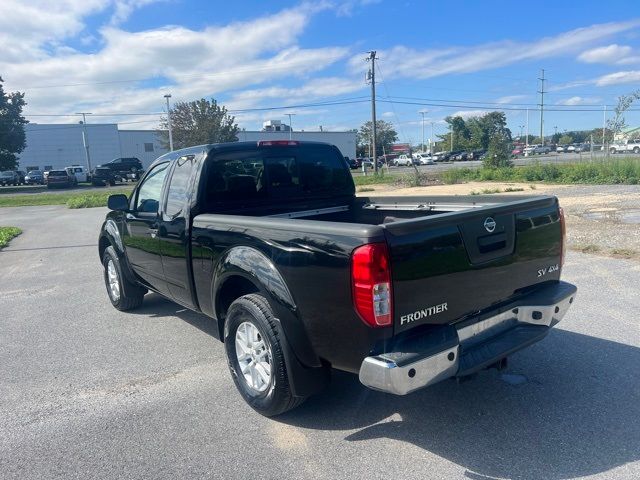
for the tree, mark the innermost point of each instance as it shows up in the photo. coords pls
(565, 139)
(386, 135)
(618, 122)
(199, 122)
(499, 146)
(12, 136)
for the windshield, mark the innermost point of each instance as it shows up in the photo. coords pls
(7, 173)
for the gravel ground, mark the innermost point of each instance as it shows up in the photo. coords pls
(90, 392)
(601, 219)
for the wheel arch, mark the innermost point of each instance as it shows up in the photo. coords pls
(243, 270)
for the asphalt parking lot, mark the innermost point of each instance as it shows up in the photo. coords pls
(90, 392)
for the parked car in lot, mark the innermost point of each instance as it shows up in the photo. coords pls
(81, 173)
(102, 176)
(417, 295)
(541, 150)
(352, 162)
(21, 175)
(561, 148)
(475, 154)
(403, 161)
(124, 166)
(34, 177)
(9, 177)
(583, 147)
(571, 148)
(61, 179)
(632, 146)
(424, 159)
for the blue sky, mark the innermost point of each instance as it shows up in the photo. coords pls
(117, 58)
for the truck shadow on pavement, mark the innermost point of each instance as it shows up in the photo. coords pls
(574, 412)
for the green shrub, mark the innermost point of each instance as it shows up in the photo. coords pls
(7, 233)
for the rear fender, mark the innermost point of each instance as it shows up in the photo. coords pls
(306, 372)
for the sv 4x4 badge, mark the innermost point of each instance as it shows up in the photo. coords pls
(550, 269)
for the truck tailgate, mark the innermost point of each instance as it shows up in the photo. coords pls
(449, 266)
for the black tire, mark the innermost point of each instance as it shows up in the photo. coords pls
(636, 150)
(277, 397)
(612, 150)
(130, 294)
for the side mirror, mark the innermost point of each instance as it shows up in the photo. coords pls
(118, 202)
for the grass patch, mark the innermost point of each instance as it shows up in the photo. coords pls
(624, 170)
(623, 252)
(590, 248)
(513, 189)
(374, 179)
(71, 199)
(366, 189)
(6, 234)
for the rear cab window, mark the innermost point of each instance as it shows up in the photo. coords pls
(300, 171)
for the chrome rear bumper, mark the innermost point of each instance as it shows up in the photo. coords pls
(475, 345)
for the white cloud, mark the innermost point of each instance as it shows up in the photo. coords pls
(617, 78)
(610, 54)
(188, 63)
(388, 114)
(580, 101)
(470, 113)
(124, 8)
(401, 61)
(511, 98)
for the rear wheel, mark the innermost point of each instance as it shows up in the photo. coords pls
(255, 357)
(123, 294)
(636, 149)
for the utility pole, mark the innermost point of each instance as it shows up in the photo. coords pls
(521, 127)
(85, 138)
(422, 113)
(432, 143)
(168, 96)
(526, 141)
(604, 125)
(374, 133)
(290, 124)
(555, 131)
(541, 92)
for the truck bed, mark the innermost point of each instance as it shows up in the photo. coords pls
(445, 265)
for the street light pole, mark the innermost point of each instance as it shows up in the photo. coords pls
(168, 96)
(290, 125)
(432, 144)
(422, 113)
(85, 138)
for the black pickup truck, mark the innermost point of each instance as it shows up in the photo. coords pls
(302, 276)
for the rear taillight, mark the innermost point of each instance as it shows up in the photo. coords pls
(371, 284)
(563, 229)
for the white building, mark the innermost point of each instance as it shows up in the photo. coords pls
(53, 146)
(345, 141)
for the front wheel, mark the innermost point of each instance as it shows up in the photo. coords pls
(123, 294)
(613, 150)
(255, 356)
(636, 150)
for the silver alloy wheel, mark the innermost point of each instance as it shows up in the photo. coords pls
(114, 282)
(254, 357)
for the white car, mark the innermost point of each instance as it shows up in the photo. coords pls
(81, 173)
(424, 159)
(404, 160)
(529, 150)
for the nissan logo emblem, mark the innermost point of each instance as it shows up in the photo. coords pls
(490, 224)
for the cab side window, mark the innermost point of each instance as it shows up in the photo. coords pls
(179, 186)
(150, 191)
